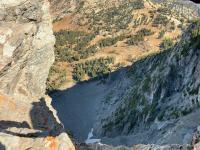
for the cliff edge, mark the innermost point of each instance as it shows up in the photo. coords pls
(27, 120)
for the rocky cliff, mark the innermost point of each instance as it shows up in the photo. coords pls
(160, 99)
(27, 120)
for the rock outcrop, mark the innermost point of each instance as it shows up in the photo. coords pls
(27, 120)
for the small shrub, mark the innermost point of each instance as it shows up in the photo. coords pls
(161, 116)
(196, 29)
(194, 91)
(134, 40)
(56, 78)
(186, 111)
(146, 84)
(163, 10)
(145, 32)
(185, 50)
(160, 20)
(167, 43)
(161, 34)
(139, 4)
(110, 41)
(93, 68)
(72, 45)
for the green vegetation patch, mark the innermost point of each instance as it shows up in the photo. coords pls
(134, 40)
(161, 34)
(146, 84)
(186, 47)
(56, 78)
(110, 41)
(139, 37)
(73, 45)
(93, 68)
(196, 29)
(193, 91)
(164, 10)
(160, 20)
(167, 43)
(114, 18)
(145, 32)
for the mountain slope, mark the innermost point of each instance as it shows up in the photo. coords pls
(154, 101)
(114, 35)
(142, 72)
(162, 98)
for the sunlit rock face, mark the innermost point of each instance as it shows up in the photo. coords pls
(27, 120)
(26, 47)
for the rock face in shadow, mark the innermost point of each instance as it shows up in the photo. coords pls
(161, 103)
(2, 147)
(27, 120)
(155, 102)
(160, 108)
(79, 104)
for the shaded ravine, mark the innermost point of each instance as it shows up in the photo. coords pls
(77, 107)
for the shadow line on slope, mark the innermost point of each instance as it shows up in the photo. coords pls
(77, 107)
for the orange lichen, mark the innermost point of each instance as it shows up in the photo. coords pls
(70, 148)
(52, 143)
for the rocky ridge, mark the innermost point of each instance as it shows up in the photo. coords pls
(27, 120)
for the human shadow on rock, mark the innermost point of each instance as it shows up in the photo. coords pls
(42, 119)
(6, 125)
(2, 147)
